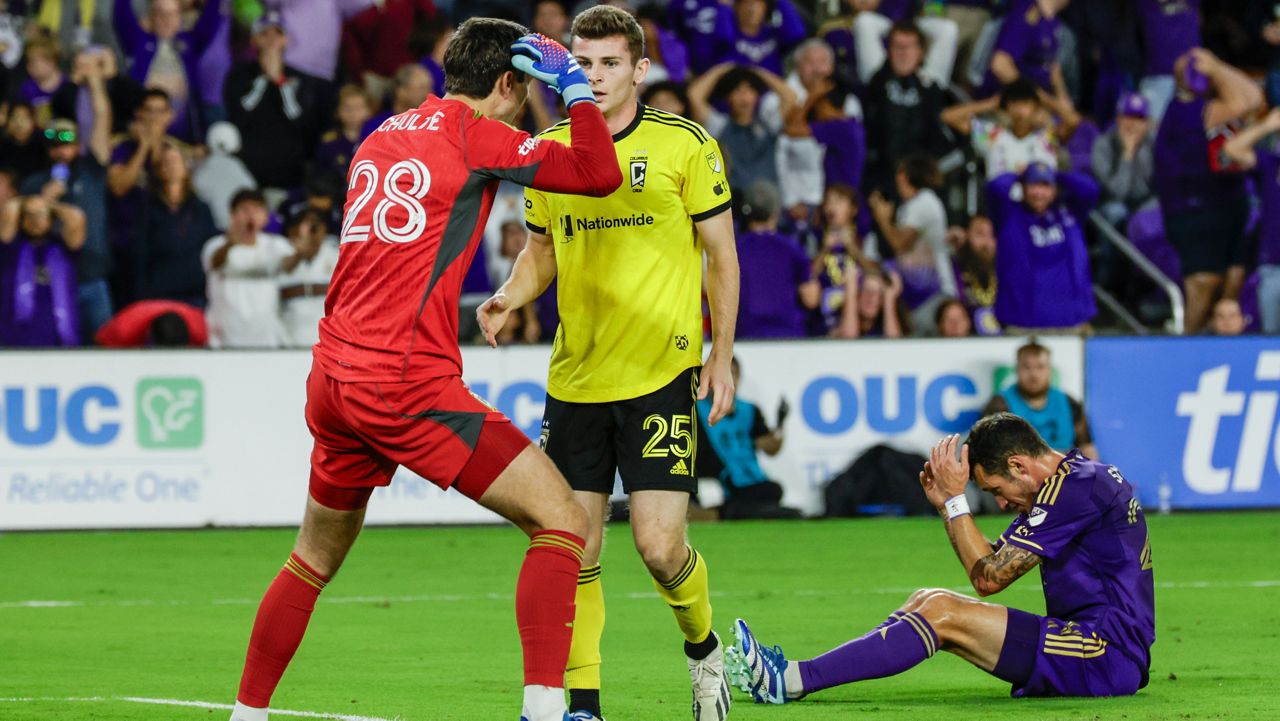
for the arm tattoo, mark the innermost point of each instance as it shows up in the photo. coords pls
(1005, 565)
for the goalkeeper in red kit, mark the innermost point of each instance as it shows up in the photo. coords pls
(385, 388)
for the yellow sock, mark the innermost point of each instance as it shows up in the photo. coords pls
(689, 596)
(583, 671)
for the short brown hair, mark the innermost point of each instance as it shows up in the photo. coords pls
(44, 47)
(1032, 347)
(604, 21)
(478, 55)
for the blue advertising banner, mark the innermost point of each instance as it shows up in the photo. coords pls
(1190, 421)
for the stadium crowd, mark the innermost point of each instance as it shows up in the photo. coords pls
(899, 167)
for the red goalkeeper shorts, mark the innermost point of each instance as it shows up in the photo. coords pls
(436, 428)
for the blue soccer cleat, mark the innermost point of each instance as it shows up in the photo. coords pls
(584, 716)
(755, 669)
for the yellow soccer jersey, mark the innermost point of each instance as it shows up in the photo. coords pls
(629, 266)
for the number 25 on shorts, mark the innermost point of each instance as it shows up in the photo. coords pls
(679, 429)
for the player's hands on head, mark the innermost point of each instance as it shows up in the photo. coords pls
(537, 55)
(948, 468)
(717, 378)
(492, 316)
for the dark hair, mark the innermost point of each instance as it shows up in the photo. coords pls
(680, 90)
(1019, 91)
(921, 170)
(168, 330)
(1032, 347)
(308, 215)
(943, 307)
(736, 76)
(846, 191)
(604, 21)
(1000, 436)
(155, 93)
(478, 55)
(906, 27)
(248, 195)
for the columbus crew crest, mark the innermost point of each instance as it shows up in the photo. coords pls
(639, 169)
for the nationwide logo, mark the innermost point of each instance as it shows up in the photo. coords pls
(603, 223)
(170, 413)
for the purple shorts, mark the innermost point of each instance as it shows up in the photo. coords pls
(1048, 657)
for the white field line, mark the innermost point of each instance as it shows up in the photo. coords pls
(460, 598)
(189, 704)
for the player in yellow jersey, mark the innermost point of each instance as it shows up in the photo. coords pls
(627, 363)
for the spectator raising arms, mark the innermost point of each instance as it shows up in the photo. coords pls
(1258, 147)
(1203, 196)
(1030, 126)
(242, 265)
(748, 143)
(1027, 46)
(1042, 265)
(276, 109)
(163, 55)
(902, 110)
(37, 277)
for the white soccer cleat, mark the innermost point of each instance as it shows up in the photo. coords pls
(711, 697)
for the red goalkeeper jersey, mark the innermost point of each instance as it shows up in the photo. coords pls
(420, 190)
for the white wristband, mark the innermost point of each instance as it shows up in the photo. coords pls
(957, 506)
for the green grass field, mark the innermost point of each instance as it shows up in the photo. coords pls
(419, 626)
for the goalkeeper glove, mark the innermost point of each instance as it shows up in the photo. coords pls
(547, 60)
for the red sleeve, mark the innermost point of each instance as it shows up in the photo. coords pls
(127, 328)
(587, 167)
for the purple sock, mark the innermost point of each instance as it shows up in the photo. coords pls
(898, 646)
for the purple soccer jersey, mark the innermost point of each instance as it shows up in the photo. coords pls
(1269, 192)
(1169, 29)
(1091, 533)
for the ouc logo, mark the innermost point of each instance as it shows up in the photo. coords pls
(169, 414)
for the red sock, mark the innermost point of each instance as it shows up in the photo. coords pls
(277, 631)
(544, 605)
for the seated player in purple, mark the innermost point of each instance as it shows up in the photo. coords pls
(1079, 521)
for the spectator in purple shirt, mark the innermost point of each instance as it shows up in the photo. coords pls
(315, 32)
(1258, 147)
(820, 146)
(338, 146)
(668, 57)
(1042, 266)
(37, 273)
(165, 56)
(1203, 197)
(773, 270)
(702, 25)
(44, 78)
(1027, 46)
(763, 32)
(1169, 29)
